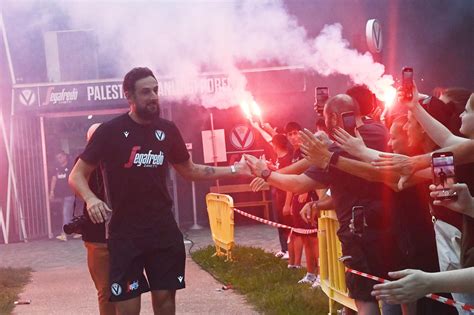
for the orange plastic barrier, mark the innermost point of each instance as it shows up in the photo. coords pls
(221, 219)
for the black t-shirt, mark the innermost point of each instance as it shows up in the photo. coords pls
(348, 190)
(279, 196)
(62, 188)
(135, 158)
(414, 229)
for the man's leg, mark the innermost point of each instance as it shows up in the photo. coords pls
(311, 251)
(98, 263)
(367, 307)
(164, 301)
(298, 248)
(128, 307)
(126, 279)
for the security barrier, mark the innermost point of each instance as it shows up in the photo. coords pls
(221, 219)
(331, 269)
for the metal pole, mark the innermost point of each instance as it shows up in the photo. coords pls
(7, 49)
(214, 150)
(12, 176)
(45, 177)
(195, 225)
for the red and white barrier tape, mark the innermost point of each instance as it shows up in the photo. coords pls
(435, 297)
(278, 225)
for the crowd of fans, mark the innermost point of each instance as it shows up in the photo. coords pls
(395, 221)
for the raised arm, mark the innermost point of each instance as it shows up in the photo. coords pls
(293, 183)
(192, 171)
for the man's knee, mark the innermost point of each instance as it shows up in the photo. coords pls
(163, 298)
(128, 307)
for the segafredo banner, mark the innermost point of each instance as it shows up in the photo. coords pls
(95, 94)
(83, 95)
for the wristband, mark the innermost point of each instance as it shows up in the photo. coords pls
(233, 170)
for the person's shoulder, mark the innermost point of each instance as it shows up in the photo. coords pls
(165, 123)
(375, 135)
(373, 127)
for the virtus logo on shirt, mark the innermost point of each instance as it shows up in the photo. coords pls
(148, 159)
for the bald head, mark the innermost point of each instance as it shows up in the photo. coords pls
(341, 103)
(337, 105)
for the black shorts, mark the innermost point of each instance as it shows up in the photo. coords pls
(164, 268)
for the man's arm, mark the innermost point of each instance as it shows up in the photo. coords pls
(414, 284)
(296, 168)
(78, 180)
(191, 171)
(435, 130)
(53, 187)
(297, 184)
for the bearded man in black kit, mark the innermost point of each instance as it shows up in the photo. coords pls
(135, 150)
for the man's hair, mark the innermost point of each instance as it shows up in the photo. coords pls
(291, 126)
(401, 119)
(342, 103)
(133, 76)
(281, 141)
(363, 97)
(457, 96)
(444, 113)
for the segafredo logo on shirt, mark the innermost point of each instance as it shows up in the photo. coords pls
(149, 159)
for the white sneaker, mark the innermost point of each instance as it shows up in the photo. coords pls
(286, 256)
(294, 267)
(62, 237)
(309, 278)
(317, 283)
(75, 235)
(279, 254)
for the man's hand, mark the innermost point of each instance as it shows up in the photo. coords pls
(97, 209)
(258, 184)
(412, 285)
(242, 168)
(310, 212)
(256, 165)
(464, 202)
(286, 210)
(398, 163)
(410, 104)
(302, 197)
(314, 150)
(352, 145)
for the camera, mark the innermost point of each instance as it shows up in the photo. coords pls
(76, 225)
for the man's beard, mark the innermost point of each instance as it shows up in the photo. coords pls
(146, 114)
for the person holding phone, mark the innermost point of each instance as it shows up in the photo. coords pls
(347, 191)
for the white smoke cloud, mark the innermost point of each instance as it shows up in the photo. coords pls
(182, 39)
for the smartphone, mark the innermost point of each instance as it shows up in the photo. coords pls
(442, 165)
(348, 122)
(407, 83)
(321, 95)
(358, 219)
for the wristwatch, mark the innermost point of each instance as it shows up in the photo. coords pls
(265, 174)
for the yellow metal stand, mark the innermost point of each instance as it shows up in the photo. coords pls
(221, 219)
